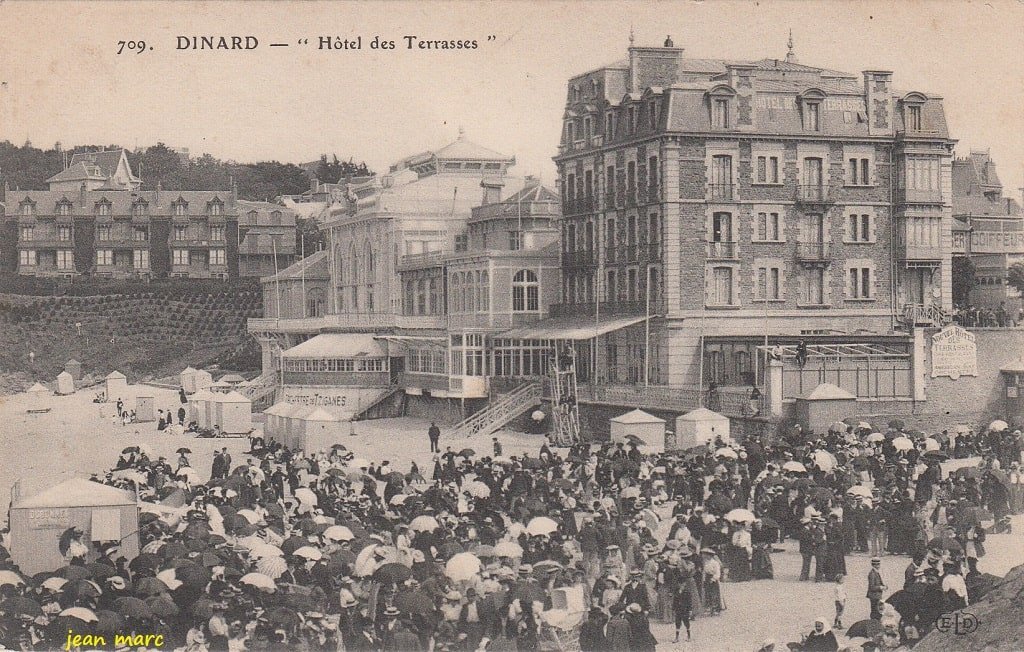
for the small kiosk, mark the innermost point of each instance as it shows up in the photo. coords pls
(320, 429)
(73, 367)
(116, 386)
(823, 406)
(187, 378)
(65, 383)
(198, 408)
(233, 413)
(649, 429)
(202, 379)
(700, 427)
(274, 427)
(102, 513)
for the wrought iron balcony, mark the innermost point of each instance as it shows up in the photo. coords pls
(814, 194)
(722, 250)
(721, 191)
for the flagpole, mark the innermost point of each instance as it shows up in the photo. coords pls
(647, 331)
(302, 269)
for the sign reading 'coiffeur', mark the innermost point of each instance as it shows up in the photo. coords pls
(997, 242)
(954, 353)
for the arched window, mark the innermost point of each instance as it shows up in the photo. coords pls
(369, 261)
(485, 292)
(456, 293)
(525, 292)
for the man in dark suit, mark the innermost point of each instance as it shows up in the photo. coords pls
(876, 587)
(635, 592)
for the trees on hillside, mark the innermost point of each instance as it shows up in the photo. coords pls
(963, 279)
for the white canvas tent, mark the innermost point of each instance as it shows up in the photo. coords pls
(198, 409)
(65, 383)
(699, 427)
(649, 429)
(274, 428)
(37, 391)
(320, 429)
(187, 378)
(116, 386)
(233, 413)
(221, 387)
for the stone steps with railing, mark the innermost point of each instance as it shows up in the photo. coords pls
(500, 411)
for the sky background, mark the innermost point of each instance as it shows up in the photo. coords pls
(61, 79)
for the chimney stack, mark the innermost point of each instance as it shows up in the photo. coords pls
(492, 191)
(81, 195)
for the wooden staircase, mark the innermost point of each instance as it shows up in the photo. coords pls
(500, 411)
(261, 391)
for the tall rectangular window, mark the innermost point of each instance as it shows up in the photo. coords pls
(179, 256)
(140, 234)
(217, 233)
(140, 259)
(814, 286)
(859, 283)
(26, 233)
(720, 114)
(65, 259)
(767, 169)
(64, 233)
(812, 114)
(180, 232)
(721, 286)
(914, 117)
(103, 233)
(27, 258)
(218, 257)
(104, 257)
(769, 227)
(769, 282)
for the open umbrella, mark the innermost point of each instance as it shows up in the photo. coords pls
(945, 543)
(147, 586)
(631, 492)
(794, 467)
(132, 607)
(969, 472)
(10, 577)
(189, 474)
(1001, 477)
(272, 567)
(509, 549)
(183, 451)
(338, 533)
(741, 516)
(998, 425)
(424, 523)
(902, 443)
(824, 460)
(392, 573)
(306, 496)
(477, 489)
(259, 581)
(859, 490)
(168, 578)
(162, 606)
(931, 444)
(309, 552)
(462, 566)
(80, 613)
(129, 449)
(467, 452)
(54, 584)
(867, 628)
(541, 525)
(875, 436)
(726, 452)
(936, 456)
(414, 603)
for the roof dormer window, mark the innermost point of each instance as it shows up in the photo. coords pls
(912, 111)
(140, 208)
(914, 117)
(810, 108)
(64, 207)
(720, 102)
(28, 207)
(180, 207)
(216, 207)
(103, 207)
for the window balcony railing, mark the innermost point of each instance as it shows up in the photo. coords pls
(721, 191)
(812, 252)
(722, 250)
(814, 194)
(609, 199)
(637, 307)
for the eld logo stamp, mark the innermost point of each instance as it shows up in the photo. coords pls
(960, 623)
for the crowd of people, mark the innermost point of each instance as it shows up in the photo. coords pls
(567, 548)
(999, 317)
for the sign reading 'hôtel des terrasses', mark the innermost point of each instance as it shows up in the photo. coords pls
(954, 353)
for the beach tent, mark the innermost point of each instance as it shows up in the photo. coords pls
(320, 429)
(187, 378)
(198, 410)
(103, 513)
(232, 379)
(145, 407)
(274, 427)
(65, 383)
(116, 386)
(73, 367)
(233, 413)
(294, 426)
(202, 380)
(37, 391)
(699, 427)
(649, 429)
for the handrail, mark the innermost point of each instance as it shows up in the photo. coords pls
(497, 414)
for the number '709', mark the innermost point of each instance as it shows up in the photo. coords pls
(137, 46)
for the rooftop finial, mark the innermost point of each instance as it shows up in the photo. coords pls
(790, 55)
(632, 37)
(668, 42)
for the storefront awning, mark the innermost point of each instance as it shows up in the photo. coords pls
(416, 340)
(570, 328)
(337, 345)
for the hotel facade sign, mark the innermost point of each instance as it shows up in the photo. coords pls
(954, 353)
